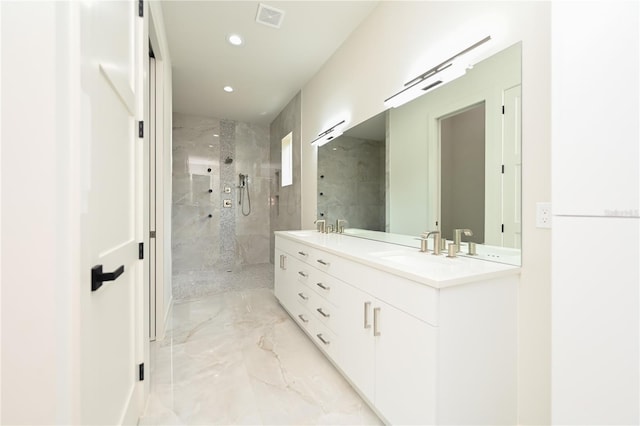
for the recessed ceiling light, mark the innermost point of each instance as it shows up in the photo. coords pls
(215, 135)
(235, 39)
(228, 89)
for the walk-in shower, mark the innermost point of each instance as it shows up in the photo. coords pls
(243, 186)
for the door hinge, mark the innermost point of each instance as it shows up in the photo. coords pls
(140, 8)
(502, 227)
(152, 234)
(140, 250)
(140, 129)
(502, 109)
(141, 372)
(503, 169)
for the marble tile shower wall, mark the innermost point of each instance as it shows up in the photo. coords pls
(208, 239)
(351, 182)
(286, 204)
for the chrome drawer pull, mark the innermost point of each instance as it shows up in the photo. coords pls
(302, 296)
(283, 260)
(322, 286)
(302, 274)
(367, 305)
(323, 313)
(326, 342)
(376, 321)
(304, 320)
(322, 262)
(301, 253)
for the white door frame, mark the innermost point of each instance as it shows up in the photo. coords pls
(162, 102)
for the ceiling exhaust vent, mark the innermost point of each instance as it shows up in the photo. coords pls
(269, 16)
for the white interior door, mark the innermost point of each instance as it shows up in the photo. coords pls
(111, 313)
(512, 160)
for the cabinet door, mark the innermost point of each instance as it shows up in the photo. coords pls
(282, 285)
(355, 324)
(405, 366)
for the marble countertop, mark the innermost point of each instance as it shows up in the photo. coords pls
(425, 268)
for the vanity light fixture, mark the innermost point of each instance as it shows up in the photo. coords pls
(328, 135)
(437, 76)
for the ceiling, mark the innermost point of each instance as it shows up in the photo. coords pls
(270, 67)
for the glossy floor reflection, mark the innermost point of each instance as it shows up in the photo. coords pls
(236, 357)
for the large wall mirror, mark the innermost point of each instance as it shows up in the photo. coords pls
(447, 160)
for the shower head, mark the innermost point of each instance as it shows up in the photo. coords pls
(228, 160)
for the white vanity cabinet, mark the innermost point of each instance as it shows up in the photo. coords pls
(405, 371)
(417, 353)
(389, 356)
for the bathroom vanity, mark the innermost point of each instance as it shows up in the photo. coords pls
(424, 339)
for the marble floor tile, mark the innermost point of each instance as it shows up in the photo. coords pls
(234, 356)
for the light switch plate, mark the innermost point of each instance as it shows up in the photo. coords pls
(226, 203)
(543, 215)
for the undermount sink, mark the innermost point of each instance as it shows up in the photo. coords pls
(410, 257)
(304, 233)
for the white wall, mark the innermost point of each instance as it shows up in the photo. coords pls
(400, 40)
(596, 218)
(40, 238)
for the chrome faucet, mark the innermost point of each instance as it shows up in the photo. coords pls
(436, 241)
(457, 236)
(320, 225)
(340, 224)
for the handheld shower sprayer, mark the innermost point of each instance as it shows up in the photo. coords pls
(243, 185)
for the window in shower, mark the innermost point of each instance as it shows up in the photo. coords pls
(287, 160)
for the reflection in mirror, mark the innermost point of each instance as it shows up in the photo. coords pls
(351, 177)
(462, 147)
(450, 159)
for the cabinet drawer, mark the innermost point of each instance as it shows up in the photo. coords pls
(325, 313)
(296, 250)
(302, 317)
(326, 340)
(304, 296)
(414, 298)
(327, 287)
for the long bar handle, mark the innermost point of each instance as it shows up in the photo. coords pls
(302, 296)
(283, 261)
(326, 342)
(376, 321)
(302, 274)
(322, 262)
(301, 253)
(322, 286)
(367, 305)
(323, 313)
(304, 320)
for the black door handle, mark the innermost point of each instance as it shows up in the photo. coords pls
(98, 277)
